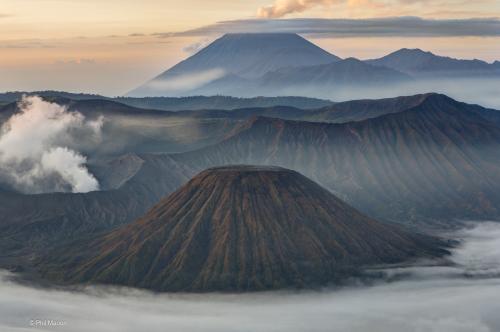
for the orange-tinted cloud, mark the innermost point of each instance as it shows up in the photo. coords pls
(283, 7)
(381, 8)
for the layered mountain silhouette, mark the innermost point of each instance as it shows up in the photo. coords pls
(234, 57)
(270, 64)
(415, 159)
(421, 63)
(239, 228)
(358, 110)
(340, 74)
(175, 103)
(434, 160)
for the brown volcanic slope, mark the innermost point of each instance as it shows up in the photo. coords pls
(239, 228)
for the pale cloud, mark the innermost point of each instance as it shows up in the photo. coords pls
(283, 7)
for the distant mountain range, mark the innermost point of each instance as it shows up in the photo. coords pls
(419, 63)
(433, 160)
(340, 74)
(239, 228)
(274, 64)
(177, 103)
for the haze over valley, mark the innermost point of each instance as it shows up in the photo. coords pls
(313, 166)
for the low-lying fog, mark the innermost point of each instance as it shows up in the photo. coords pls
(461, 298)
(482, 91)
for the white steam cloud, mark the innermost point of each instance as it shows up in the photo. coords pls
(38, 148)
(430, 299)
(283, 7)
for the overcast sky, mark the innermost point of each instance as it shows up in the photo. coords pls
(112, 46)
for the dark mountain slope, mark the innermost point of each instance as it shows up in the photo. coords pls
(329, 79)
(342, 112)
(31, 223)
(348, 72)
(253, 54)
(437, 160)
(239, 228)
(358, 110)
(348, 111)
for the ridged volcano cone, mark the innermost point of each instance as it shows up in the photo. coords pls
(240, 228)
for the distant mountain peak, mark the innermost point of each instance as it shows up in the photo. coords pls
(409, 55)
(442, 101)
(353, 60)
(429, 96)
(412, 51)
(272, 40)
(436, 96)
(244, 55)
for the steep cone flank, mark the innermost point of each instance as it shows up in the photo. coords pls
(239, 228)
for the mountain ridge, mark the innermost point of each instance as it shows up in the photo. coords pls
(342, 73)
(191, 103)
(419, 62)
(384, 165)
(271, 64)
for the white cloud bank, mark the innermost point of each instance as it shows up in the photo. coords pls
(445, 300)
(38, 148)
